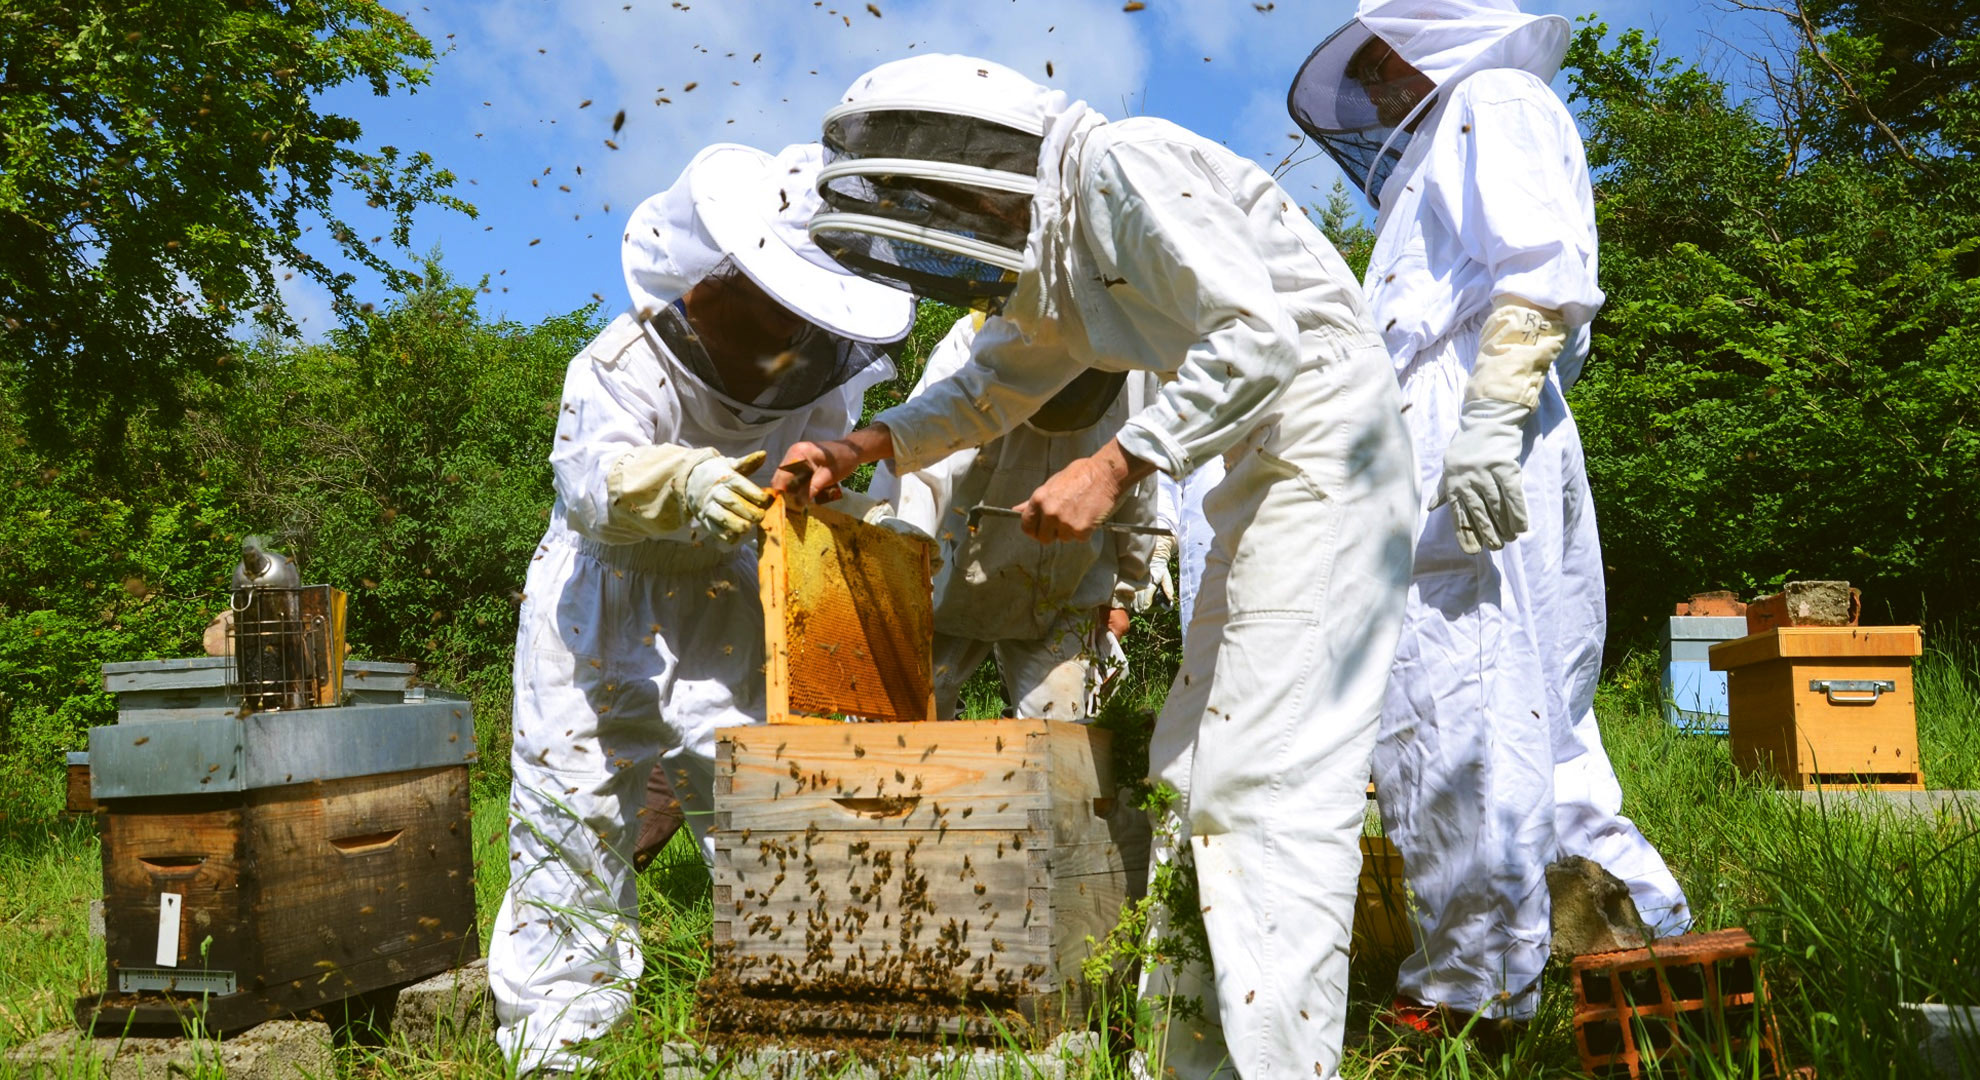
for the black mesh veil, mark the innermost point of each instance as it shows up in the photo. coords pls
(899, 192)
(912, 264)
(724, 347)
(936, 203)
(1082, 403)
(931, 136)
(1353, 116)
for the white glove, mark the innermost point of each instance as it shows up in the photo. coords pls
(1481, 475)
(723, 497)
(1158, 567)
(1481, 466)
(1517, 344)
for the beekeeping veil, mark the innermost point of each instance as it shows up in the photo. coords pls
(737, 217)
(931, 167)
(1343, 103)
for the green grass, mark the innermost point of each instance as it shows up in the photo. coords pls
(1855, 911)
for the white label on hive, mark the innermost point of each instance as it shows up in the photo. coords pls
(168, 928)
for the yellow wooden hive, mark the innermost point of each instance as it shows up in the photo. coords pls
(1827, 706)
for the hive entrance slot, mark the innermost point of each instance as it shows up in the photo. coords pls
(890, 806)
(171, 865)
(366, 843)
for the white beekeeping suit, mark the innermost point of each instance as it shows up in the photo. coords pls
(1139, 246)
(1483, 283)
(999, 591)
(641, 632)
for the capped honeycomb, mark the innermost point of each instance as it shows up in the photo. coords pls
(849, 621)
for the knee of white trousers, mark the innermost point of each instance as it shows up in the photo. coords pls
(1044, 685)
(693, 778)
(565, 950)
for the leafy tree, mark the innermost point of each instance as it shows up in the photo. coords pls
(407, 462)
(164, 162)
(1340, 220)
(1785, 381)
(404, 461)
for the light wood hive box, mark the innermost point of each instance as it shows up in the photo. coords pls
(1381, 903)
(895, 875)
(1824, 705)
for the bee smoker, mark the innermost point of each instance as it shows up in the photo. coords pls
(288, 637)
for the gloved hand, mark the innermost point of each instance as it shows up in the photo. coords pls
(1481, 474)
(723, 497)
(1159, 573)
(1516, 345)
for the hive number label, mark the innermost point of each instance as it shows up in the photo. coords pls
(168, 928)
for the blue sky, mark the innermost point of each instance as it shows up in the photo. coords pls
(505, 104)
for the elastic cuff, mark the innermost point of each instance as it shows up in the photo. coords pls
(1155, 446)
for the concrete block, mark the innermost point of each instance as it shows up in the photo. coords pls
(447, 1007)
(277, 1050)
(1951, 1042)
(1961, 806)
(1805, 603)
(1058, 1061)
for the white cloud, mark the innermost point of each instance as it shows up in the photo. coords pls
(763, 73)
(308, 303)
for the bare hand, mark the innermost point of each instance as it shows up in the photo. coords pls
(811, 471)
(1074, 502)
(1117, 622)
(1109, 620)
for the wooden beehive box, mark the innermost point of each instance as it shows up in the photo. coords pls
(954, 862)
(1381, 904)
(260, 865)
(1822, 705)
(287, 898)
(895, 876)
(75, 793)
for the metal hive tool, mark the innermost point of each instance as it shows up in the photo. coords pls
(849, 620)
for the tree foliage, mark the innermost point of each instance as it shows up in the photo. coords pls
(405, 461)
(164, 163)
(1786, 381)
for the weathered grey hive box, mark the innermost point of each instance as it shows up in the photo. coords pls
(874, 877)
(262, 864)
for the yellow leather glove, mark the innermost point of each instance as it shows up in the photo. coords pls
(723, 497)
(658, 490)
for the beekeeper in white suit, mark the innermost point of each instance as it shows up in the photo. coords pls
(1052, 614)
(1483, 283)
(1139, 246)
(641, 632)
